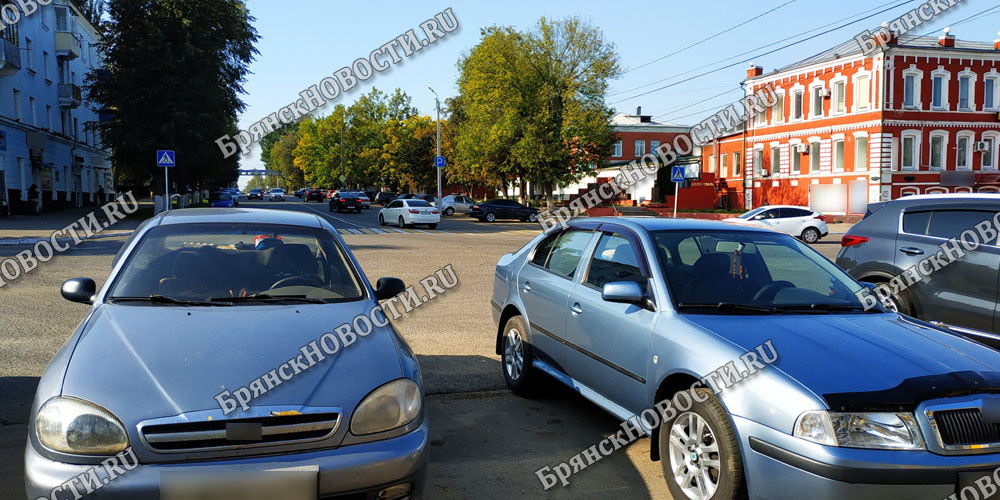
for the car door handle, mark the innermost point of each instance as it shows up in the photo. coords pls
(526, 287)
(576, 308)
(911, 251)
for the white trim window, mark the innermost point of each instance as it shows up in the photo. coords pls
(640, 147)
(761, 119)
(798, 103)
(838, 154)
(816, 101)
(839, 104)
(653, 144)
(775, 159)
(778, 110)
(963, 150)
(723, 166)
(909, 151)
(814, 156)
(862, 99)
(990, 89)
(938, 149)
(988, 159)
(711, 163)
(911, 88)
(794, 157)
(758, 160)
(736, 164)
(861, 153)
(967, 91)
(616, 151)
(939, 90)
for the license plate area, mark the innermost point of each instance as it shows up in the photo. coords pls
(969, 479)
(299, 483)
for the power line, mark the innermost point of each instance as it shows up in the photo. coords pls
(759, 55)
(731, 28)
(767, 45)
(716, 96)
(967, 19)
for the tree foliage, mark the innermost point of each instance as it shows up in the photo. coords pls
(174, 74)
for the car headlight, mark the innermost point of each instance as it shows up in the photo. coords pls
(873, 430)
(75, 426)
(390, 406)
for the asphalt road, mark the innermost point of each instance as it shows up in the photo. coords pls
(486, 443)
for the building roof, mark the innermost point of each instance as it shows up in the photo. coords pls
(644, 123)
(851, 47)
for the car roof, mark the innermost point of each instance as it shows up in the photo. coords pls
(951, 196)
(240, 215)
(667, 223)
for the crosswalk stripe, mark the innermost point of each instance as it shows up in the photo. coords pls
(422, 231)
(355, 231)
(376, 230)
(395, 230)
(342, 231)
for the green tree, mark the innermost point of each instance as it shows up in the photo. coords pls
(256, 182)
(282, 159)
(174, 74)
(317, 152)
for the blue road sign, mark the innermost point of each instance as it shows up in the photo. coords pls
(677, 174)
(439, 161)
(165, 158)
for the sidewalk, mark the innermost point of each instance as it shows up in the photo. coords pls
(29, 229)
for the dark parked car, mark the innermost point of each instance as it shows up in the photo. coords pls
(345, 200)
(384, 198)
(901, 233)
(492, 210)
(300, 193)
(313, 194)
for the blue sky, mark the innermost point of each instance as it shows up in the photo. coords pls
(303, 41)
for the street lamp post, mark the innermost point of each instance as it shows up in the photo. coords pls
(437, 106)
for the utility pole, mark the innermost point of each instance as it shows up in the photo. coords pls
(342, 148)
(437, 106)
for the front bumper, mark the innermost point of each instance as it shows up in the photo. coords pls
(777, 463)
(356, 469)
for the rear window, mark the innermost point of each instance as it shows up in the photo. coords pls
(950, 223)
(418, 203)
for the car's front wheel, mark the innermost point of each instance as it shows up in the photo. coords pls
(700, 454)
(449, 211)
(810, 235)
(381, 220)
(517, 357)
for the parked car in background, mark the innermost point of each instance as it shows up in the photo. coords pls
(901, 233)
(255, 194)
(853, 403)
(276, 194)
(492, 210)
(383, 198)
(220, 199)
(366, 202)
(408, 212)
(345, 200)
(801, 222)
(312, 194)
(429, 198)
(183, 274)
(456, 203)
(300, 193)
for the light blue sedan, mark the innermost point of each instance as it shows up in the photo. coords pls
(858, 404)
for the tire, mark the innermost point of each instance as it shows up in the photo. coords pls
(401, 222)
(357, 211)
(516, 358)
(490, 217)
(716, 453)
(901, 302)
(449, 211)
(432, 226)
(810, 235)
(532, 217)
(381, 220)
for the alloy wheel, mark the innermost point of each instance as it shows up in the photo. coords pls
(491, 217)
(513, 354)
(694, 456)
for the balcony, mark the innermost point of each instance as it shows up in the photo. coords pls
(67, 45)
(70, 95)
(10, 57)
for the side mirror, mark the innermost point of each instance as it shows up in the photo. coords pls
(80, 290)
(623, 291)
(387, 288)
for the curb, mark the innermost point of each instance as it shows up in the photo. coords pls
(10, 242)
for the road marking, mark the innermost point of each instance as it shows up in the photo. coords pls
(331, 216)
(355, 231)
(423, 231)
(376, 230)
(395, 230)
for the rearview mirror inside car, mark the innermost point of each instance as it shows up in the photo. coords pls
(622, 291)
(387, 288)
(80, 290)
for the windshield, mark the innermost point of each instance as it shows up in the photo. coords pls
(276, 190)
(752, 213)
(206, 262)
(759, 269)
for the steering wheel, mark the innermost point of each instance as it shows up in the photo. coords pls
(768, 293)
(298, 280)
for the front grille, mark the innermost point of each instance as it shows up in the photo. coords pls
(965, 426)
(211, 434)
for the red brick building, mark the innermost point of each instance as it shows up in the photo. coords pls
(847, 129)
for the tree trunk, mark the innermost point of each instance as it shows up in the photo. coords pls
(550, 203)
(522, 191)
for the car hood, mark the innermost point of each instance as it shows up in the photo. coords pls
(839, 354)
(152, 361)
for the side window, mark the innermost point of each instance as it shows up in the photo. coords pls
(950, 223)
(794, 212)
(615, 259)
(542, 250)
(567, 252)
(769, 214)
(688, 251)
(916, 222)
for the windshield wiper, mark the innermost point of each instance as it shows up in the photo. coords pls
(725, 307)
(161, 299)
(823, 308)
(270, 299)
